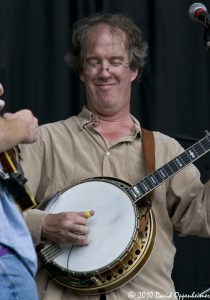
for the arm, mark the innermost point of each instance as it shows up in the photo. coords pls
(188, 201)
(65, 227)
(37, 161)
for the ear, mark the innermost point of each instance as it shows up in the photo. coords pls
(81, 76)
(134, 74)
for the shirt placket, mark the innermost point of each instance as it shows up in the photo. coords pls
(106, 166)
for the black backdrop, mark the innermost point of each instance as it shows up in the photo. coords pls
(173, 95)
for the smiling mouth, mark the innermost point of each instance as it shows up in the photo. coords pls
(105, 87)
(105, 83)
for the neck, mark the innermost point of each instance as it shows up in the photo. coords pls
(108, 117)
(121, 119)
(114, 127)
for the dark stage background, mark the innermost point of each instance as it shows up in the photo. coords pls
(173, 95)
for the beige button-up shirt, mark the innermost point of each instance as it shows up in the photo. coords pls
(71, 150)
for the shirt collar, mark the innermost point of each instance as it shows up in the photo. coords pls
(87, 117)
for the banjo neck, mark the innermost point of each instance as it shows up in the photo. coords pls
(162, 174)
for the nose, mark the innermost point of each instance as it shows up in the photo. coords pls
(105, 71)
(106, 68)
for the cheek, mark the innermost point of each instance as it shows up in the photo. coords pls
(128, 78)
(126, 81)
(86, 79)
(90, 88)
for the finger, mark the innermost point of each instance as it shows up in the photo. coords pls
(1, 89)
(76, 239)
(8, 115)
(88, 214)
(79, 229)
(2, 103)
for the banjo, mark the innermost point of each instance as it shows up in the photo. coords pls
(122, 230)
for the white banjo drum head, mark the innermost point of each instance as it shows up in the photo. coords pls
(111, 229)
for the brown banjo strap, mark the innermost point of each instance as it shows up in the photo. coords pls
(148, 144)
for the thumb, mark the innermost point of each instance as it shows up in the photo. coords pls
(1, 89)
(2, 103)
(8, 115)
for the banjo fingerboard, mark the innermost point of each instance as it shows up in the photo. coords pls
(153, 180)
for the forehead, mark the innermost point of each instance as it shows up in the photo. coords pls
(103, 36)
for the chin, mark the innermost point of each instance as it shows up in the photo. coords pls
(108, 110)
(107, 102)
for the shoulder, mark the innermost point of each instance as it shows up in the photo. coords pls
(59, 131)
(50, 135)
(59, 126)
(166, 145)
(164, 138)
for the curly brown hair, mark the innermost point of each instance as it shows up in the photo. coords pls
(117, 23)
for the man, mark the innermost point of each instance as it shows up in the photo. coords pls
(18, 261)
(108, 54)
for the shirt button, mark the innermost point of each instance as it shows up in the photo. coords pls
(108, 153)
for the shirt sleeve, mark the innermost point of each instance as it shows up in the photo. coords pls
(31, 161)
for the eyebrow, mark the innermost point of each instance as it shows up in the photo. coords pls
(112, 57)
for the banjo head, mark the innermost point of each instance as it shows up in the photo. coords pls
(117, 245)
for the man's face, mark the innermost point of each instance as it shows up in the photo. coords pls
(106, 74)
